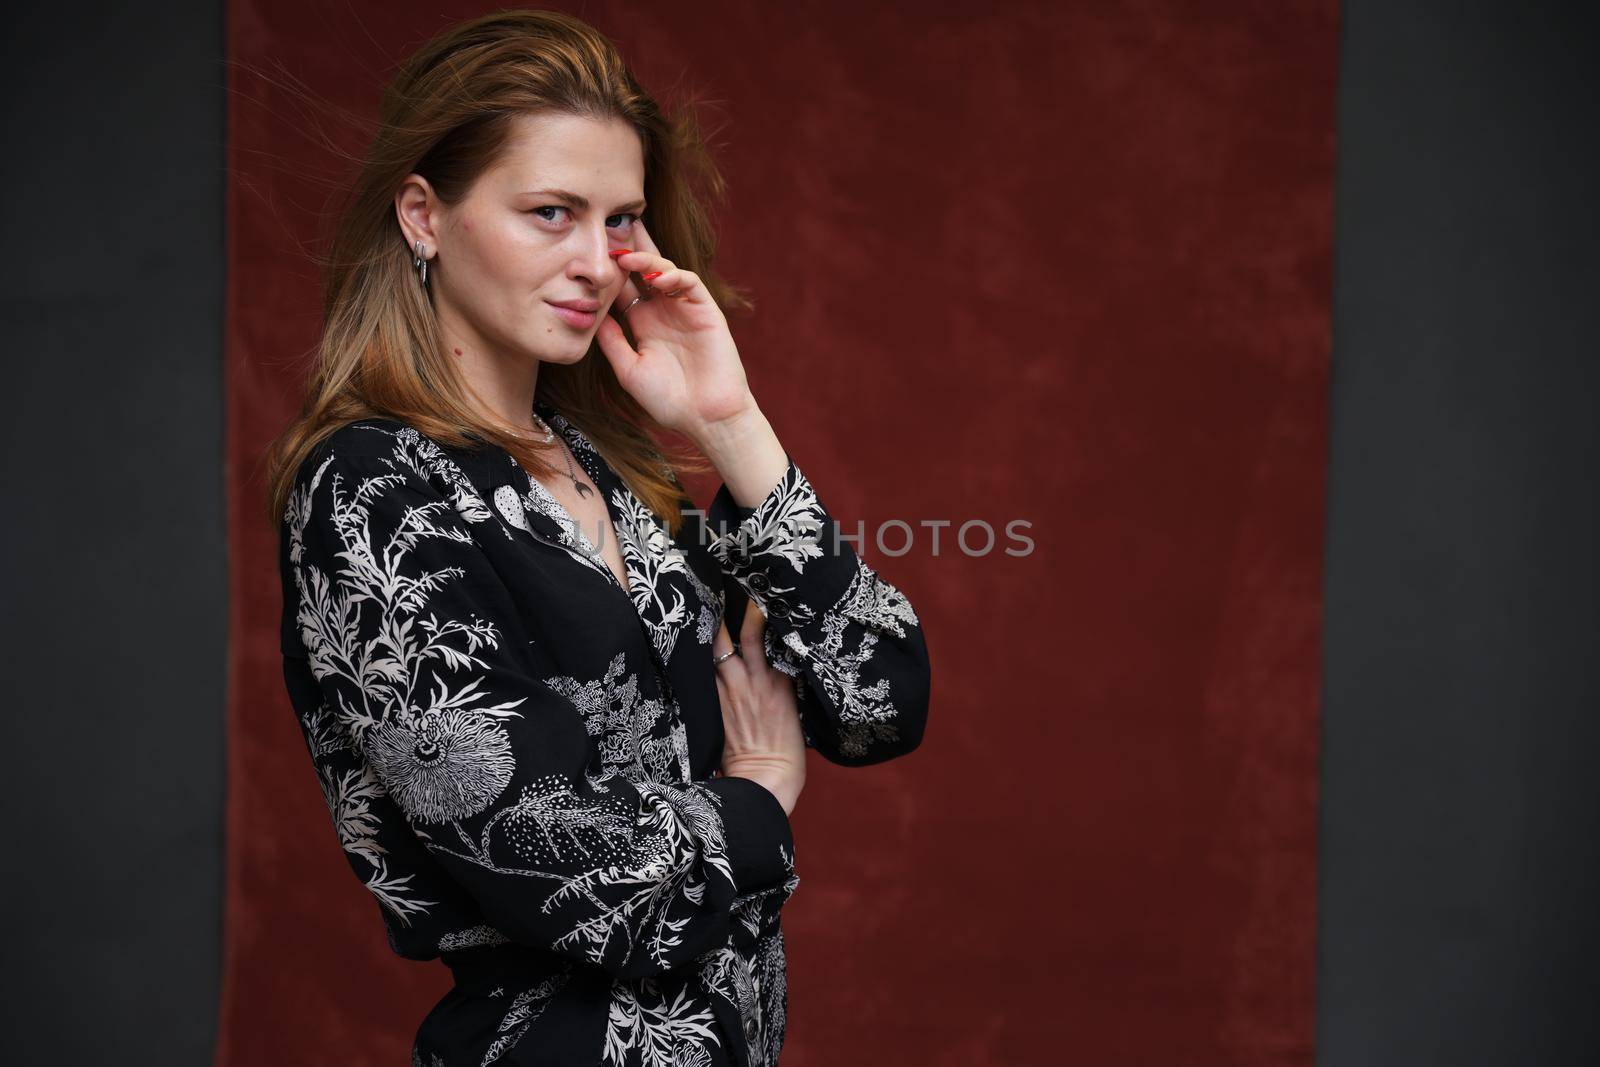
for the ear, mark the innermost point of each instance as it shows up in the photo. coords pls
(418, 209)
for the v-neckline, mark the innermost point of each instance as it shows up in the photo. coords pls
(582, 449)
(650, 558)
(559, 511)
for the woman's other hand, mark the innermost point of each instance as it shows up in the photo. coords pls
(762, 739)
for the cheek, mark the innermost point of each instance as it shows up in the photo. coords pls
(502, 248)
(498, 246)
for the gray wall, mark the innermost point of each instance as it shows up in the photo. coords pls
(1460, 823)
(115, 617)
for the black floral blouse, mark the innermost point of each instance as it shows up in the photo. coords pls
(520, 755)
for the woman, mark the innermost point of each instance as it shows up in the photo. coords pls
(507, 641)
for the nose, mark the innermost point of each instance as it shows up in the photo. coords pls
(590, 261)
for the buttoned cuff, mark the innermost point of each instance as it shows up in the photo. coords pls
(786, 552)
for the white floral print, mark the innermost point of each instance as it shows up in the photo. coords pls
(500, 788)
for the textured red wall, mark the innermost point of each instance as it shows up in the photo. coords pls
(1062, 263)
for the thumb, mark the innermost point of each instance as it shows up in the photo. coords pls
(614, 343)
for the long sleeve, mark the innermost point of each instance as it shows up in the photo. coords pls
(426, 673)
(850, 639)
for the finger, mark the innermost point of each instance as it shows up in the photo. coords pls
(721, 645)
(750, 635)
(641, 261)
(728, 668)
(675, 282)
(641, 237)
(614, 343)
(648, 267)
(721, 641)
(655, 275)
(631, 288)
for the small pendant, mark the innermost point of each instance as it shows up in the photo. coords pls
(583, 490)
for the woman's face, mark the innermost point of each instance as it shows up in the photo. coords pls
(535, 231)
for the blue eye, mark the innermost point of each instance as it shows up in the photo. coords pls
(557, 207)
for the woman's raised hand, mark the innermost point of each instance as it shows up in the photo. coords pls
(683, 367)
(762, 739)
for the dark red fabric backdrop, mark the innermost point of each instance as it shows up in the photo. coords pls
(1062, 263)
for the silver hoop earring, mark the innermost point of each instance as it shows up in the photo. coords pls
(419, 264)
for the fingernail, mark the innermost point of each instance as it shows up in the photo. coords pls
(652, 274)
(619, 251)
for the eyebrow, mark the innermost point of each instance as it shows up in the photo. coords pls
(579, 202)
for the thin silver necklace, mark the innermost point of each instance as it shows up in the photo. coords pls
(549, 436)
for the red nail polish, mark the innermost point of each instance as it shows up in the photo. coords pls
(652, 274)
(619, 251)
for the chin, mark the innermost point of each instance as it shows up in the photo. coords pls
(569, 353)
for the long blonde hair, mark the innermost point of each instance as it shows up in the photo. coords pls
(446, 115)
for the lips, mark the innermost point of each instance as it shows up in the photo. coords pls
(579, 314)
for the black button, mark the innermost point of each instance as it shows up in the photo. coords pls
(778, 606)
(750, 1029)
(759, 582)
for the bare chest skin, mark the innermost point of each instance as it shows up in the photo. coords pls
(587, 512)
